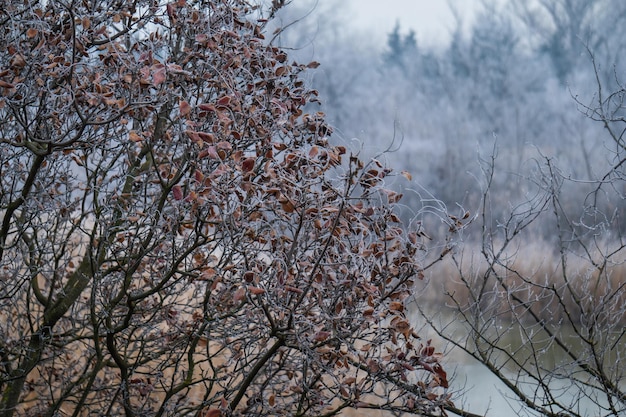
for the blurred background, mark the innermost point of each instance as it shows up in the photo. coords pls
(511, 110)
(446, 86)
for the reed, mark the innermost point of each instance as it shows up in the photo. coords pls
(582, 288)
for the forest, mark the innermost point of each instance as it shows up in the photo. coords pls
(234, 207)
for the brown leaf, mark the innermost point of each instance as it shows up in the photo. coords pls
(293, 289)
(207, 107)
(224, 145)
(428, 351)
(18, 61)
(184, 108)
(134, 136)
(207, 137)
(338, 307)
(322, 335)
(224, 101)
(256, 290)
(403, 327)
(392, 196)
(396, 306)
(248, 164)
(239, 295)
(177, 192)
(192, 196)
(373, 366)
(159, 76)
(207, 274)
(210, 152)
(443, 377)
(288, 207)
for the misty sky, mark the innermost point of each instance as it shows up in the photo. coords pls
(432, 20)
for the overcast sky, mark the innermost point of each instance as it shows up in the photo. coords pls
(432, 20)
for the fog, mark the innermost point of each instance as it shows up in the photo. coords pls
(517, 83)
(433, 22)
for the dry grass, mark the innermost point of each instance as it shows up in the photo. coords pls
(536, 277)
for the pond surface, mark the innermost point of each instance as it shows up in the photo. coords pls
(481, 392)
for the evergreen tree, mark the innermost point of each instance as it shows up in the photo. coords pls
(400, 48)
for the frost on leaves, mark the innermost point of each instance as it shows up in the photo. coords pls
(179, 235)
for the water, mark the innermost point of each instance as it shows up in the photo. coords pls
(481, 392)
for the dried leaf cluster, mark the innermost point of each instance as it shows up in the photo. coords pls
(179, 234)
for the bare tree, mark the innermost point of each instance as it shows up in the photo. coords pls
(178, 237)
(562, 28)
(549, 325)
